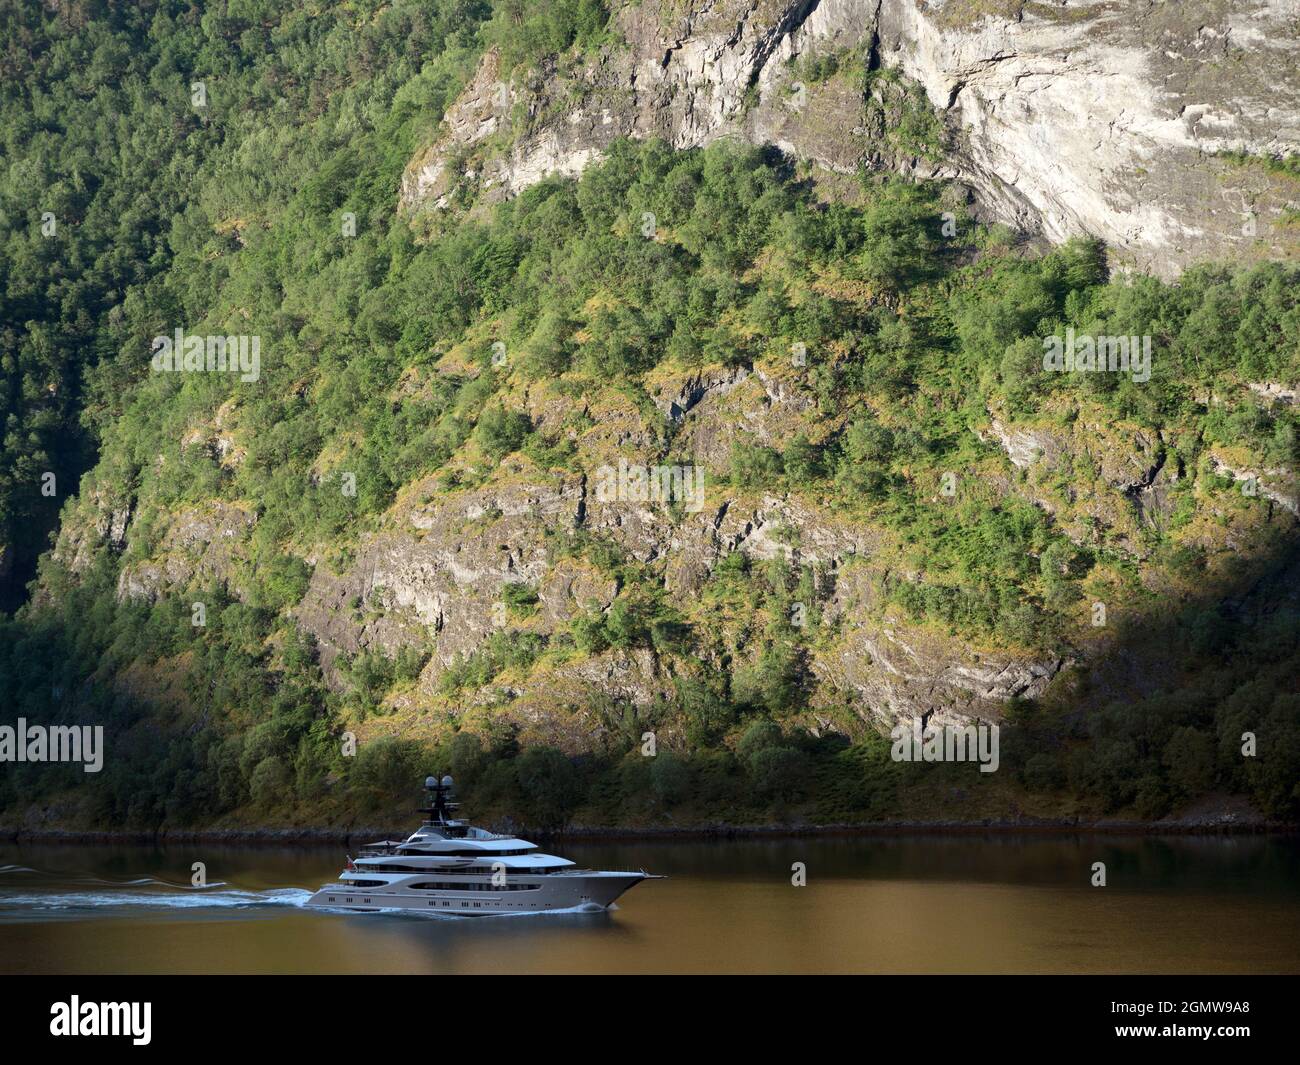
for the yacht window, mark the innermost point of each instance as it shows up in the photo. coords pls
(465, 852)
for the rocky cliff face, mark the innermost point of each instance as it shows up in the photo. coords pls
(435, 578)
(1075, 117)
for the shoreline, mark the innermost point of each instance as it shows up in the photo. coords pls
(324, 836)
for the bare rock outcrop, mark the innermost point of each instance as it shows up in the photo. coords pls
(201, 542)
(897, 671)
(1278, 485)
(1112, 118)
(434, 576)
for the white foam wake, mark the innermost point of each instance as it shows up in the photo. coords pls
(71, 902)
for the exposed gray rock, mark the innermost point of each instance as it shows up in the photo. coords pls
(1075, 117)
(1024, 447)
(699, 386)
(1275, 391)
(441, 587)
(434, 578)
(1277, 485)
(200, 542)
(1103, 118)
(899, 671)
(98, 518)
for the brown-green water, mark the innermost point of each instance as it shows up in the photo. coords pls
(986, 904)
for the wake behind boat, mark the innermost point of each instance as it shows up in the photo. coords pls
(449, 866)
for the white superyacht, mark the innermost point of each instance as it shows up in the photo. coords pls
(448, 866)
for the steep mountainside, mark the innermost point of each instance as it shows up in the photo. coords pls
(656, 405)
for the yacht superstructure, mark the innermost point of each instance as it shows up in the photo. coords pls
(449, 866)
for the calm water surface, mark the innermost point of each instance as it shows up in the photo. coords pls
(932, 904)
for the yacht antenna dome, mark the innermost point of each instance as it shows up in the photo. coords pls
(430, 782)
(447, 781)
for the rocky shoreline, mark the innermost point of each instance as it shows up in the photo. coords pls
(1222, 825)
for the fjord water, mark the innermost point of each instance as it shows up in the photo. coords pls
(964, 904)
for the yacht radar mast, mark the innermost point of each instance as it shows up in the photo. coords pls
(440, 805)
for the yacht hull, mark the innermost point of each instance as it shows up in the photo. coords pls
(592, 891)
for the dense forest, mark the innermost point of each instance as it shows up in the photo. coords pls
(269, 208)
